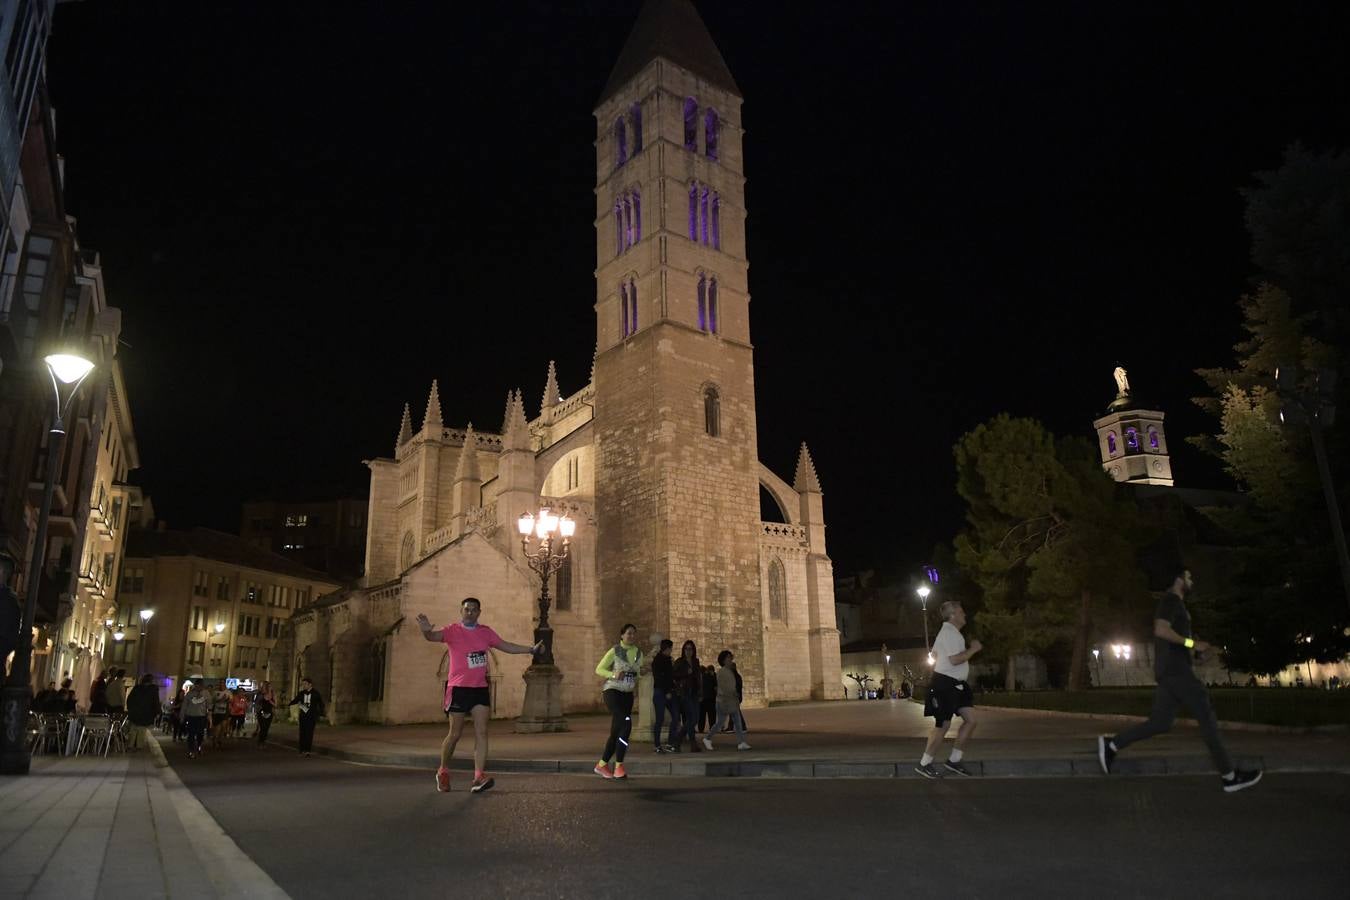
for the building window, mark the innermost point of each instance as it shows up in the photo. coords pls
(253, 594)
(407, 554)
(712, 306)
(693, 211)
(199, 618)
(690, 124)
(623, 309)
(195, 651)
(620, 142)
(133, 580)
(777, 590)
(1111, 443)
(562, 586)
(297, 520)
(246, 657)
(618, 228)
(274, 627)
(200, 584)
(217, 655)
(1153, 438)
(222, 587)
(710, 133)
(1131, 440)
(124, 651)
(248, 626)
(716, 222)
(378, 650)
(712, 412)
(636, 235)
(301, 598)
(703, 207)
(702, 303)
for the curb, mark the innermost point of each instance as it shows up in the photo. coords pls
(1257, 727)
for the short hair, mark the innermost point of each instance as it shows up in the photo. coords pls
(147, 678)
(473, 600)
(626, 627)
(723, 656)
(305, 679)
(667, 643)
(948, 609)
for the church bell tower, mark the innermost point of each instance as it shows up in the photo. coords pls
(1131, 439)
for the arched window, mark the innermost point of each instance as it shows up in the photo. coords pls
(636, 115)
(712, 306)
(690, 124)
(408, 552)
(562, 586)
(716, 222)
(710, 133)
(693, 211)
(702, 303)
(632, 307)
(712, 412)
(620, 143)
(703, 205)
(1111, 443)
(1131, 440)
(777, 590)
(618, 227)
(1153, 438)
(623, 309)
(627, 222)
(637, 216)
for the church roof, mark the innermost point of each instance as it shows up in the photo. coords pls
(672, 30)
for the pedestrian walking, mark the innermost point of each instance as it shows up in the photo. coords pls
(728, 702)
(949, 692)
(688, 677)
(619, 667)
(220, 717)
(176, 716)
(264, 704)
(238, 712)
(1173, 641)
(310, 702)
(740, 698)
(467, 643)
(98, 696)
(142, 708)
(196, 718)
(708, 705)
(663, 698)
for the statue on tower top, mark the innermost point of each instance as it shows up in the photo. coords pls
(1122, 381)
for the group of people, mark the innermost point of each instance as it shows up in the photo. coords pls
(222, 714)
(108, 696)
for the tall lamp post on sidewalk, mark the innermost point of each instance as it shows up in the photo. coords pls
(923, 591)
(68, 371)
(542, 710)
(146, 615)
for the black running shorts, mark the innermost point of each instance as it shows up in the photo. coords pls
(464, 699)
(946, 695)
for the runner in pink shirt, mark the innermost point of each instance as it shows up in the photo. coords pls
(466, 691)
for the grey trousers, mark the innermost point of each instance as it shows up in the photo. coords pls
(1176, 691)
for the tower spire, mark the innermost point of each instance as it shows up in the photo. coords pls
(551, 393)
(467, 467)
(805, 480)
(404, 428)
(516, 432)
(433, 414)
(672, 30)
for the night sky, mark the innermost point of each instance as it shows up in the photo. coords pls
(307, 211)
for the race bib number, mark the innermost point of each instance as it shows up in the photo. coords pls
(628, 677)
(478, 659)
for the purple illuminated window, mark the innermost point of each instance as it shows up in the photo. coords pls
(632, 306)
(710, 133)
(637, 216)
(623, 309)
(690, 124)
(620, 143)
(704, 208)
(702, 303)
(693, 211)
(636, 114)
(618, 228)
(1111, 442)
(1131, 440)
(1153, 438)
(716, 222)
(627, 222)
(712, 306)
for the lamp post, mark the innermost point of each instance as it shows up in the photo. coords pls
(146, 615)
(68, 371)
(542, 710)
(923, 591)
(1097, 664)
(886, 672)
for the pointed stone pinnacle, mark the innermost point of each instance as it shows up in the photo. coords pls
(433, 414)
(506, 416)
(516, 434)
(805, 479)
(467, 467)
(551, 393)
(404, 428)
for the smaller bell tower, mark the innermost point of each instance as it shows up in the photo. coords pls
(1131, 439)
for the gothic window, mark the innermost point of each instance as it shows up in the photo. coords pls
(703, 206)
(627, 222)
(690, 124)
(777, 590)
(618, 228)
(632, 307)
(620, 143)
(716, 222)
(1153, 438)
(693, 211)
(408, 553)
(1111, 443)
(702, 303)
(562, 586)
(712, 306)
(1131, 440)
(637, 216)
(636, 115)
(623, 309)
(710, 133)
(712, 412)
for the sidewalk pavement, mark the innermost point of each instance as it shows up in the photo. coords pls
(864, 739)
(116, 827)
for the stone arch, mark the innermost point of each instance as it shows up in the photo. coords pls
(549, 457)
(789, 502)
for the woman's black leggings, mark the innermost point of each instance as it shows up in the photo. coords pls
(620, 706)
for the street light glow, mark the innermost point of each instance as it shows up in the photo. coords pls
(220, 626)
(923, 591)
(68, 368)
(146, 614)
(525, 524)
(567, 526)
(119, 634)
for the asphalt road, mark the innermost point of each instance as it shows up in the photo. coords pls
(327, 829)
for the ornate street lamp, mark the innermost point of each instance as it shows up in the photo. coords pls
(68, 371)
(545, 563)
(146, 616)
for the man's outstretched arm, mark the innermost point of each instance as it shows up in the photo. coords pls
(431, 634)
(509, 647)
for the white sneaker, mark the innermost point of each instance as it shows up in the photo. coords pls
(742, 746)
(707, 744)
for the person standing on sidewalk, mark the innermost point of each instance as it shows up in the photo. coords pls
(310, 702)
(142, 707)
(949, 692)
(264, 704)
(466, 689)
(707, 713)
(728, 703)
(688, 678)
(619, 667)
(1178, 686)
(116, 692)
(196, 718)
(663, 698)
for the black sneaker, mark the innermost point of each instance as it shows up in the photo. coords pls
(928, 771)
(481, 784)
(1241, 781)
(957, 768)
(1105, 755)
(673, 748)
(658, 748)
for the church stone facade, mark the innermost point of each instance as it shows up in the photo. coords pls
(655, 457)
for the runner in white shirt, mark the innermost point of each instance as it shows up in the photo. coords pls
(949, 692)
